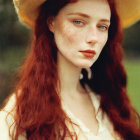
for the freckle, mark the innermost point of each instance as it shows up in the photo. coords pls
(68, 32)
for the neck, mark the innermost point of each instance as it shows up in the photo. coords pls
(69, 76)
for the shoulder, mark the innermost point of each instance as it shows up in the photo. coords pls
(4, 126)
(6, 118)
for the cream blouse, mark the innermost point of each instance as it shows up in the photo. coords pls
(105, 131)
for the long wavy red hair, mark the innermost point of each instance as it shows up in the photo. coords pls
(38, 106)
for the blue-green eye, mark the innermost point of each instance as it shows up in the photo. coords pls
(103, 27)
(78, 22)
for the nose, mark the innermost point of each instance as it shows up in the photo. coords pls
(92, 37)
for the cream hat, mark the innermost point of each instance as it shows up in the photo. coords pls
(129, 11)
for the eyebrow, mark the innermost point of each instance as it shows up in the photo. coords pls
(87, 16)
(80, 14)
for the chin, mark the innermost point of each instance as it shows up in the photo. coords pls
(85, 65)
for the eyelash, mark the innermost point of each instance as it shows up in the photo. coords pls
(79, 21)
(104, 26)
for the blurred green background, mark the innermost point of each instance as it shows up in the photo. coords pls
(15, 39)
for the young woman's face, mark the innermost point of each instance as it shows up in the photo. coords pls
(81, 31)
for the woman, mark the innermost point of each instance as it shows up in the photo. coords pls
(72, 84)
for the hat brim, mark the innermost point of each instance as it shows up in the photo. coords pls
(128, 10)
(27, 10)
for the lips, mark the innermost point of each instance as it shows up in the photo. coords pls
(88, 53)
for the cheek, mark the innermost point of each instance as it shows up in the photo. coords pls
(71, 34)
(104, 40)
(68, 32)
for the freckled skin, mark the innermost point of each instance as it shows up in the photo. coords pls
(66, 32)
(71, 38)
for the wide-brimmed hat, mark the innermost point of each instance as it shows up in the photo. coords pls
(129, 11)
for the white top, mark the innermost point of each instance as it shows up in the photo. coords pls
(105, 131)
(7, 121)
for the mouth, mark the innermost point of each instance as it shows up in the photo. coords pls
(88, 53)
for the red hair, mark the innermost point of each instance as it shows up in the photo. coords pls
(38, 106)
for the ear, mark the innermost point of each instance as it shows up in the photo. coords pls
(50, 23)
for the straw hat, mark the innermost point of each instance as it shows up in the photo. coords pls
(129, 11)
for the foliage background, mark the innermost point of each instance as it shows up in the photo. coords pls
(14, 44)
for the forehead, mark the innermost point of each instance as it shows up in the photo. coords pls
(99, 8)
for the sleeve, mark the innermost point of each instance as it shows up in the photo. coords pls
(4, 127)
(7, 120)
